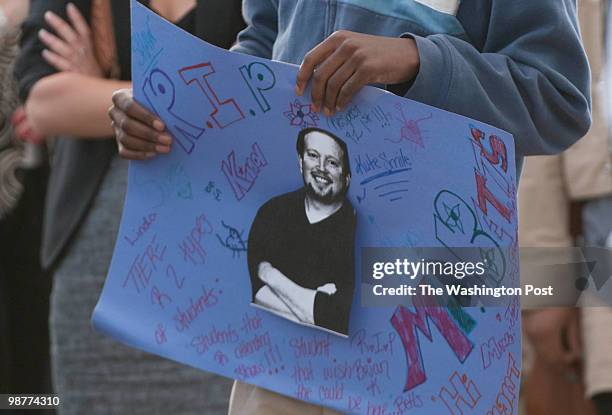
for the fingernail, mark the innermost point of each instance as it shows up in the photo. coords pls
(158, 125)
(327, 112)
(162, 149)
(150, 155)
(314, 107)
(298, 90)
(42, 33)
(164, 139)
(338, 108)
(50, 15)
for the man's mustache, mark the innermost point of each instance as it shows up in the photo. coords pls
(321, 174)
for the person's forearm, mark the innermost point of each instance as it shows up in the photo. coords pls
(267, 298)
(72, 104)
(299, 299)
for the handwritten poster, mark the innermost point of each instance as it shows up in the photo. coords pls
(179, 285)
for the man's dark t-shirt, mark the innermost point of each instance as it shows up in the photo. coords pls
(311, 255)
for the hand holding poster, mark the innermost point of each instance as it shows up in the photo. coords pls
(238, 252)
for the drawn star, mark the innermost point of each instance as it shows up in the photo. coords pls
(453, 220)
(301, 115)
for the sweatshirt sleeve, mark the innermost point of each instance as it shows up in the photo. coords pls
(531, 77)
(261, 18)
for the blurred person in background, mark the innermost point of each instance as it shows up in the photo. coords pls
(74, 57)
(24, 288)
(572, 347)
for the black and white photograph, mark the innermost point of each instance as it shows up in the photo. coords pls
(301, 244)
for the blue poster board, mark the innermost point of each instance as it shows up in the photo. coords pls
(179, 285)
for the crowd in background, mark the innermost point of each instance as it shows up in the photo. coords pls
(62, 185)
